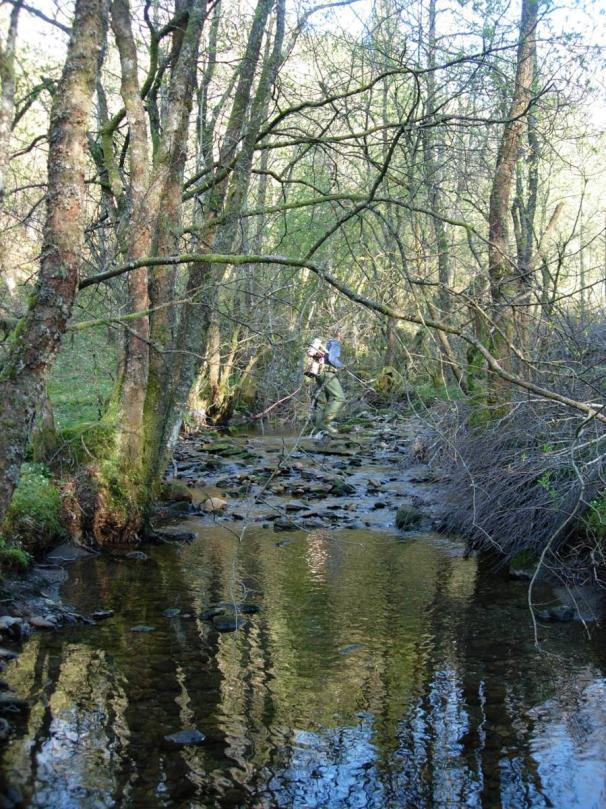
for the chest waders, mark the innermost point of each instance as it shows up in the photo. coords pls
(328, 401)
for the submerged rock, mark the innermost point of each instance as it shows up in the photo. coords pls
(228, 623)
(43, 622)
(185, 738)
(560, 614)
(102, 615)
(211, 612)
(175, 510)
(314, 521)
(248, 608)
(284, 524)
(67, 552)
(11, 703)
(14, 628)
(229, 608)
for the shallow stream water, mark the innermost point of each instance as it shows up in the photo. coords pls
(382, 671)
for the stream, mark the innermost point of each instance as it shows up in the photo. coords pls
(370, 667)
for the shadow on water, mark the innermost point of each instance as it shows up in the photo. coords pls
(378, 673)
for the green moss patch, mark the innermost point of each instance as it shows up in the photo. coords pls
(34, 517)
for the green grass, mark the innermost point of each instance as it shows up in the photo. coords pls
(83, 377)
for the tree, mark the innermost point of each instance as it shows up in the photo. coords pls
(35, 340)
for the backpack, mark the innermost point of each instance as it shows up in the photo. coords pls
(315, 359)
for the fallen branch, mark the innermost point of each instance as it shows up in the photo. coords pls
(275, 404)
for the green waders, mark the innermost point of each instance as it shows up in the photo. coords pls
(328, 400)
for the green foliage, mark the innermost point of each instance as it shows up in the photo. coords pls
(82, 380)
(427, 392)
(546, 482)
(595, 518)
(13, 557)
(34, 515)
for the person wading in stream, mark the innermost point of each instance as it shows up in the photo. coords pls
(323, 364)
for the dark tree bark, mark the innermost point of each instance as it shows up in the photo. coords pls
(35, 340)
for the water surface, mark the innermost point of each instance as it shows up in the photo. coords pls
(382, 672)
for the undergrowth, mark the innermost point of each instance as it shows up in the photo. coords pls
(34, 518)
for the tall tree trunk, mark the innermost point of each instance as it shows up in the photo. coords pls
(226, 200)
(169, 165)
(139, 216)
(433, 157)
(7, 113)
(35, 341)
(7, 94)
(505, 279)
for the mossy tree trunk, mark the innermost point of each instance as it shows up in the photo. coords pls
(169, 163)
(248, 111)
(36, 339)
(161, 363)
(150, 215)
(139, 212)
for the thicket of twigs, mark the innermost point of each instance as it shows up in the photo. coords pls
(533, 479)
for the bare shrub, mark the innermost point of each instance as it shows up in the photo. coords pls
(514, 484)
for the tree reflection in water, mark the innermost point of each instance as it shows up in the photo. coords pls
(380, 673)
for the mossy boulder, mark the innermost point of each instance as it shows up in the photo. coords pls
(340, 488)
(408, 517)
(176, 491)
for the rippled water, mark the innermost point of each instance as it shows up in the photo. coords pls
(381, 672)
